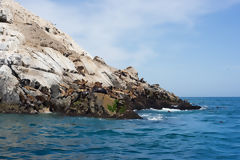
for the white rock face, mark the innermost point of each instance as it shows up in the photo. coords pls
(35, 49)
(8, 89)
(9, 38)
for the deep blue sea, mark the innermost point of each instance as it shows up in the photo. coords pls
(212, 133)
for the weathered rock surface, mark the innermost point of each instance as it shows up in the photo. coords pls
(43, 70)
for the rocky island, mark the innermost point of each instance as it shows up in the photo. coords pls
(43, 70)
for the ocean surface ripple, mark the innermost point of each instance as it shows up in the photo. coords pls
(212, 133)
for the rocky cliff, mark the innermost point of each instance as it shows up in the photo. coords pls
(43, 70)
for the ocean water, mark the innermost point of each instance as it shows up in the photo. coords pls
(211, 133)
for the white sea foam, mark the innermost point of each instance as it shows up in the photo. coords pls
(203, 107)
(166, 110)
(47, 112)
(154, 114)
(152, 117)
(156, 118)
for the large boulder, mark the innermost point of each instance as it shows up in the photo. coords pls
(8, 86)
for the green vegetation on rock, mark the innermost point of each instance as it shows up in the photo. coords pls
(122, 109)
(115, 107)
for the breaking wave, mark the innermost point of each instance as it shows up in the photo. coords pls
(167, 110)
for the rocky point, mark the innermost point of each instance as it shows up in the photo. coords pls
(43, 70)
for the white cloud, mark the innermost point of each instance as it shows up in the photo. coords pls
(102, 27)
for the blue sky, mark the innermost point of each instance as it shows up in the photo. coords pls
(189, 47)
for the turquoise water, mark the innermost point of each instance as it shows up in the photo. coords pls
(212, 133)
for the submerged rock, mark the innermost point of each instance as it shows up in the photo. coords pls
(43, 70)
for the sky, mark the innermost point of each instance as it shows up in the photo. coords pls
(189, 47)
